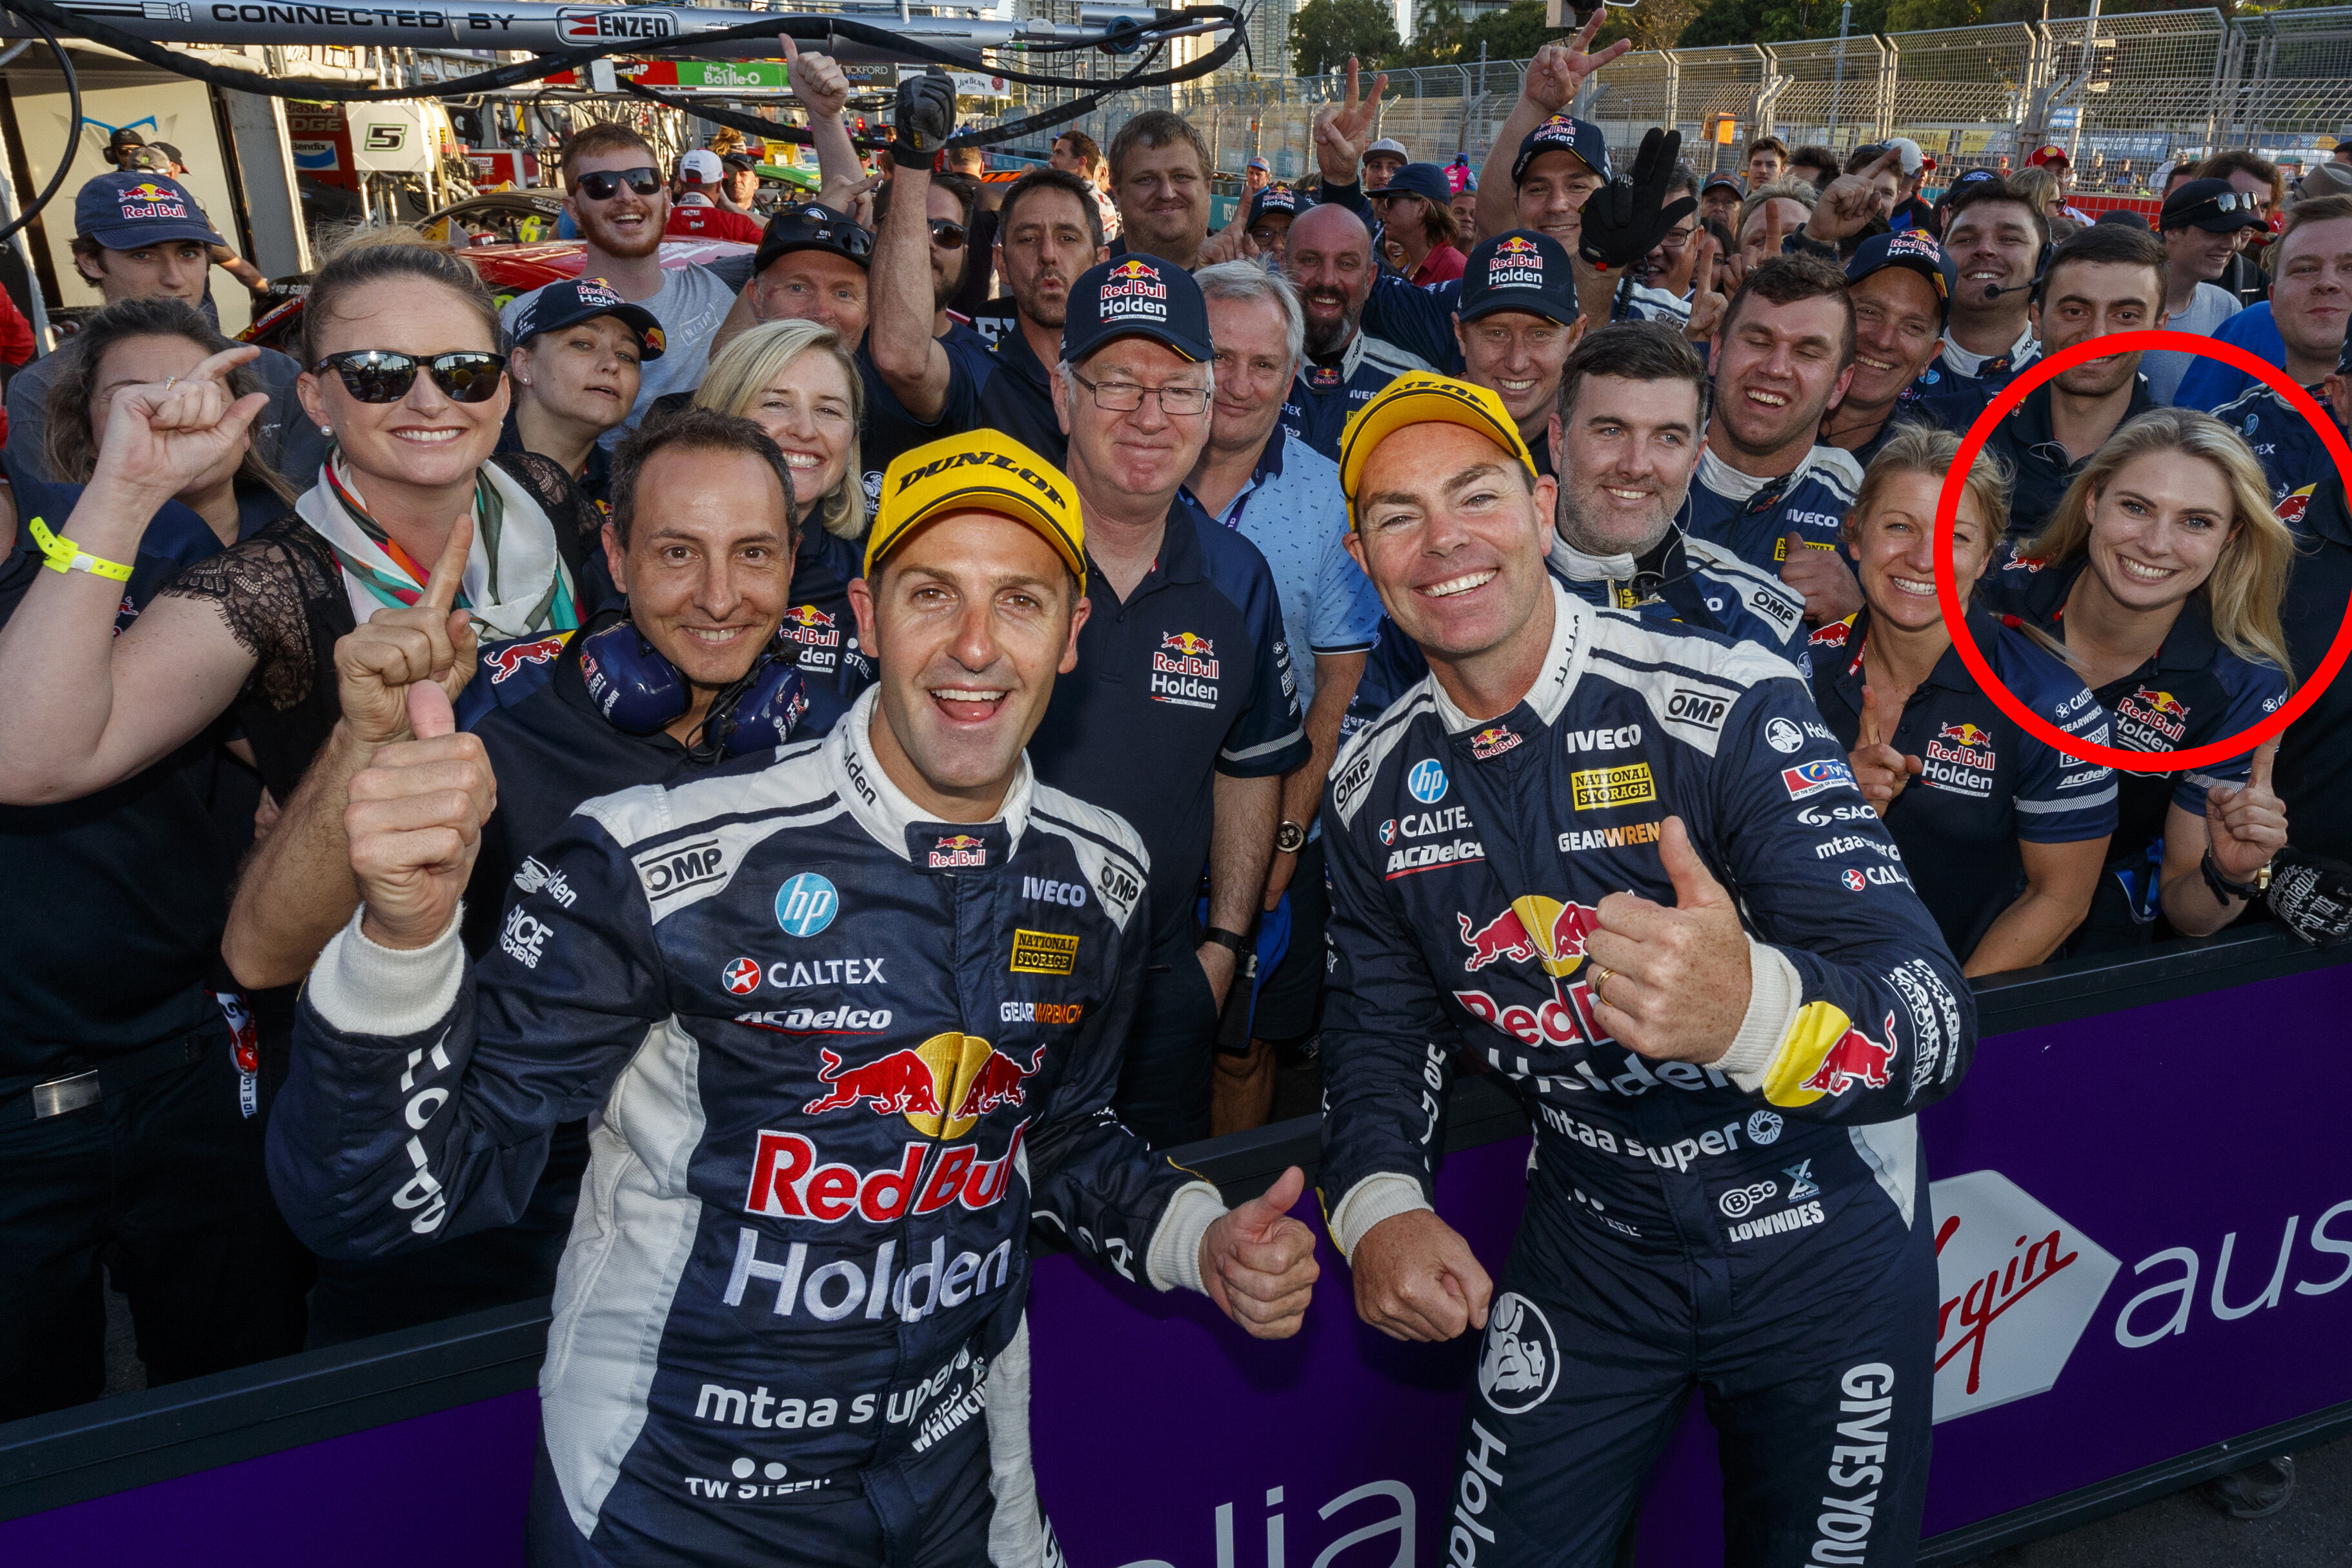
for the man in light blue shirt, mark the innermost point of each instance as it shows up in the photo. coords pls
(1283, 496)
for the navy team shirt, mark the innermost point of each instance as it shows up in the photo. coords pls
(1988, 786)
(1187, 678)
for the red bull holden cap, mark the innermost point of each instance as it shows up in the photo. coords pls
(573, 300)
(1563, 134)
(982, 470)
(125, 210)
(1520, 271)
(1422, 399)
(1137, 297)
(1913, 250)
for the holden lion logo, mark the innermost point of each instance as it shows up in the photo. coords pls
(1520, 1362)
(2018, 1287)
(962, 1071)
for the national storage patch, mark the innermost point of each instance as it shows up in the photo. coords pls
(1042, 953)
(1627, 786)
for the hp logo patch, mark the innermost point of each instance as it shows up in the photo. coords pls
(807, 904)
(1427, 781)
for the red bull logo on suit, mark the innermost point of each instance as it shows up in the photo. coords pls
(962, 1071)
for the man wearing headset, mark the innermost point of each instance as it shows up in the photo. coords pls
(1999, 241)
(854, 1019)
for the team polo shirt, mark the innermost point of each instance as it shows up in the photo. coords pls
(2314, 759)
(1328, 389)
(1018, 393)
(2043, 467)
(1988, 785)
(889, 431)
(2291, 452)
(1187, 678)
(1752, 517)
(1292, 510)
(2194, 692)
(835, 671)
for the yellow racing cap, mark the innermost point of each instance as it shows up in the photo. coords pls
(982, 471)
(1415, 398)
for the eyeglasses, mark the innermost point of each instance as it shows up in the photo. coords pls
(1126, 397)
(380, 376)
(606, 183)
(947, 234)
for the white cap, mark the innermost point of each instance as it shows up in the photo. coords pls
(1388, 145)
(701, 164)
(1914, 160)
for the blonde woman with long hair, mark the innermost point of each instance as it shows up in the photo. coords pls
(2158, 579)
(798, 382)
(2002, 834)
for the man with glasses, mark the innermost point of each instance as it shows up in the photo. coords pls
(1659, 290)
(1182, 715)
(2200, 222)
(615, 194)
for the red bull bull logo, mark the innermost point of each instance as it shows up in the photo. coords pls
(809, 627)
(148, 199)
(1183, 667)
(789, 1182)
(1533, 928)
(1132, 266)
(956, 850)
(1853, 1058)
(1133, 288)
(1825, 1053)
(1517, 245)
(807, 615)
(1189, 644)
(1967, 735)
(962, 1071)
(2159, 712)
(505, 661)
(1493, 741)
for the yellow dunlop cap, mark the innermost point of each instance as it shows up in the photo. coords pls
(982, 470)
(1417, 399)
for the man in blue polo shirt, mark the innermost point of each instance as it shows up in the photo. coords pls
(1182, 714)
(1258, 478)
(1329, 255)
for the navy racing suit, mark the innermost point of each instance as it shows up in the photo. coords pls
(1758, 1227)
(843, 1056)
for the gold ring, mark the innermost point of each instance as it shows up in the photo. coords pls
(1602, 975)
(170, 382)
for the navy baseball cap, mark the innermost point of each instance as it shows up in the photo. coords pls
(125, 210)
(1137, 297)
(1426, 181)
(1914, 251)
(1739, 186)
(1520, 270)
(560, 305)
(1272, 199)
(808, 225)
(2216, 206)
(1563, 134)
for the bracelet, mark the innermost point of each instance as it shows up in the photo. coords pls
(63, 555)
(2224, 889)
(1233, 941)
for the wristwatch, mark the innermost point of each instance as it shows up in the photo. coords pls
(1233, 941)
(1291, 838)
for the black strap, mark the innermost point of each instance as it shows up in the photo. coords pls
(117, 1074)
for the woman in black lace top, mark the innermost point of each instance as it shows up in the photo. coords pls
(406, 374)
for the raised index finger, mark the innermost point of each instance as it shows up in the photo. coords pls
(1355, 72)
(215, 366)
(1772, 230)
(441, 587)
(2265, 757)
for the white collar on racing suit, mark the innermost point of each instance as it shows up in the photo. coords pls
(2024, 351)
(880, 806)
(1571, 644)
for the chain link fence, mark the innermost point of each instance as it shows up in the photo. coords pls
(2122, 93)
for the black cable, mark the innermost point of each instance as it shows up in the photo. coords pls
(801, 29)
(73, 132)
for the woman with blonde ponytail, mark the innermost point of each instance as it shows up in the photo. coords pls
(2158, 579)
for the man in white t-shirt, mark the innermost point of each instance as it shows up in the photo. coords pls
(2200, 221)
(616, 194)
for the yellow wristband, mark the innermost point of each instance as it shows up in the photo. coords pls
(65, 556)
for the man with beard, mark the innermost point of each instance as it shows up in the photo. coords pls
(1328, 257)
(1183, 715)
(1902, 287)
(1998, 242)
(1764, 490)
(2105, 279)
(1159, 175)
(950, 215)
(615, 196)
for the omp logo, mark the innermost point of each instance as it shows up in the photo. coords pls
(667, 872)
(1700, 709)
(2018, 1287)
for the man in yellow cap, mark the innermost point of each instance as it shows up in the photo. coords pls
(1728, 1189)
(854, 1019)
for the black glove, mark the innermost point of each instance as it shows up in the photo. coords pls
(925, 118)
(1625, 218)
(2313, 897)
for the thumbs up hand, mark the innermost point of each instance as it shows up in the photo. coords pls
(2246, 822)
(1822, 576)
(415, 822)
(1671, 984)
(1258, 1264)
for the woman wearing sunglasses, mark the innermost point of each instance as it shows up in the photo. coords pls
(2158, 579)
(795, 381)
(408, 378)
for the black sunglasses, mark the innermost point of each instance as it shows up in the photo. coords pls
(947, 234)
(380, 376)
(604, 184)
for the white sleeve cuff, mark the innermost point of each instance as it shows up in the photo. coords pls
(1370, 1201)
(361, 988)
(1174, 1255)
(1775, 992)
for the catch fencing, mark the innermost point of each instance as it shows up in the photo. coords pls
(2122, 93)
